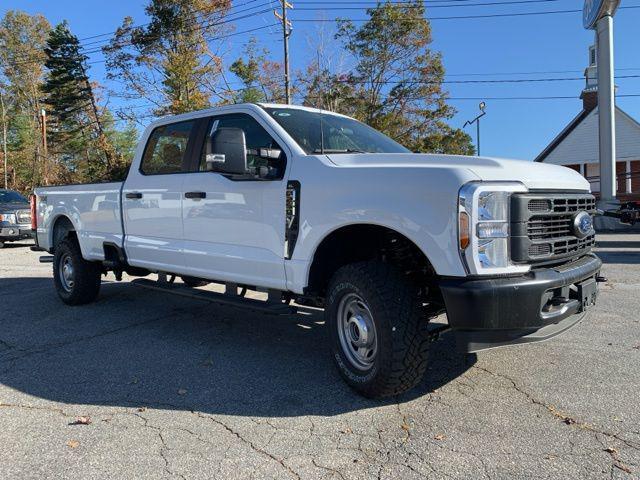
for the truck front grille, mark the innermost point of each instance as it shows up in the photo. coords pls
(542, 226)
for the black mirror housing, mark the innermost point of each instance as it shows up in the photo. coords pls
(231, 143)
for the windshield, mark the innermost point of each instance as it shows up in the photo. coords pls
(327, 133)
(8, 196)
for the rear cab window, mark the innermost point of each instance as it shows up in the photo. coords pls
(166, 149)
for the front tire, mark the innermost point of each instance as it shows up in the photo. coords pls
(379, 329)
(77, 280)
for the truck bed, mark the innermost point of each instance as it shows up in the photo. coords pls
(95, 209)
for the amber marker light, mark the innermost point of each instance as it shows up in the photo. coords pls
(463, 230)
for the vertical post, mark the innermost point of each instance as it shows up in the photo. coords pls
(4, 141)
(606, 109)
(43, 114)
(478, 134)
(286, 32)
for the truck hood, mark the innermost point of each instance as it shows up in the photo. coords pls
(533, 175)
(11, 207)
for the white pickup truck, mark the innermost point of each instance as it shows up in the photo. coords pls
(318, 209)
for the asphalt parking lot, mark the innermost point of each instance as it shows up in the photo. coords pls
(143, 384)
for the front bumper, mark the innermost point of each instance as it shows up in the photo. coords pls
(15, 232)
(492, 312)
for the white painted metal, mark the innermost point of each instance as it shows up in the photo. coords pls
(93, 209)
(153, 223)
(237, 233)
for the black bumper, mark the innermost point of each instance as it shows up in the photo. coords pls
(15, 232)
(492, 312)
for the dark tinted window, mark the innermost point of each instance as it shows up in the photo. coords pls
(255, 135)
(166, 149)
(317, 132)
(9, 196)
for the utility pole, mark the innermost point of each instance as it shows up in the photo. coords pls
(4, 140)
(43, 114)
(598, 15)
(476, 120)
(286, 33)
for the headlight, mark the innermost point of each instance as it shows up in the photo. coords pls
(8, 218)
(483, 227)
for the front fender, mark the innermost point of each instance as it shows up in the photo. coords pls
(418, 202)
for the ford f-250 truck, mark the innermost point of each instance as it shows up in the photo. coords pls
(317, 208)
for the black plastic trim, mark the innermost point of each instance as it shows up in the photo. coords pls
(515, 304)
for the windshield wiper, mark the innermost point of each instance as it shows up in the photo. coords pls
(335, 150)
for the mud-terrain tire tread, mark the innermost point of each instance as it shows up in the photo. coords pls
(393, 299)
(87, 275)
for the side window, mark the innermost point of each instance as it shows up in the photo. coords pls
(257, 138)
(166, 149)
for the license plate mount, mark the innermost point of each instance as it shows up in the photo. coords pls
(588, 292)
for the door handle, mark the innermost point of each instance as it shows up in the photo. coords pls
(195, 195)
(134, 195)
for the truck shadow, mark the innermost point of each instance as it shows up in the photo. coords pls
(136, 347)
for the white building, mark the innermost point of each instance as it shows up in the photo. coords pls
(577, 145)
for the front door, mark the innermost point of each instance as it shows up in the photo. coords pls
(234, 228)
(152, 199)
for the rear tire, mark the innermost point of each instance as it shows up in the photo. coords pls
(77, 280)
(379, 329)
(194, 282)
(1, 244)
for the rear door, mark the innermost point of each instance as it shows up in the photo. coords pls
(234, 228)
(152, 199)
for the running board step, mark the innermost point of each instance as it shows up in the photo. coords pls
(270, 307)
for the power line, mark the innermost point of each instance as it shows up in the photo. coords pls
(193, 28)
(411, 5)
(148, 23)
(458, 17)
(510, 80)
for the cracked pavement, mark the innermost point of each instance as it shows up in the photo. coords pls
(178, 388)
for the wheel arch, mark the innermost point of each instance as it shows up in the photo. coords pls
(356, 242)
(61, 227)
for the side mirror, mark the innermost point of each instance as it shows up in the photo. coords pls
(229, 151)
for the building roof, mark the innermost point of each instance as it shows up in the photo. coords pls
(578, 141)
(562, 135)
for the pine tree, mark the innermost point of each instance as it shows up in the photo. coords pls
(76, 132)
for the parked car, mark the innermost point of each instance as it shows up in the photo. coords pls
(15, 217)
(319, 208)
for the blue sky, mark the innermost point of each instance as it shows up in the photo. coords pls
(498, 48)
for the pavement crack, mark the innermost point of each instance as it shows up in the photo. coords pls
(252, 445)
(565, 418)
(328, 469)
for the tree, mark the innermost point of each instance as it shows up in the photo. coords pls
(395, 84)
(260, 77)
(22, 41)
(167, 61)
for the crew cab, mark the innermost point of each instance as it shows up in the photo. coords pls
(15, 217)
(319, 209)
